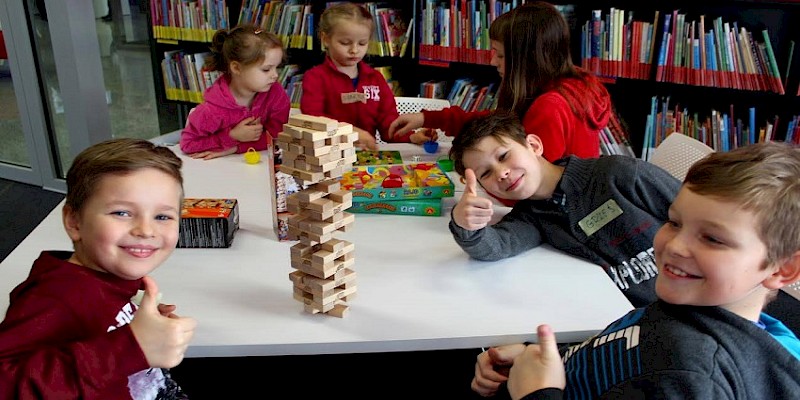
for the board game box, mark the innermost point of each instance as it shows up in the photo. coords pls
(423, 207)
(208, 222)
(378, 157)
(397, 182)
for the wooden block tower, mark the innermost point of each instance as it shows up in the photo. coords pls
(317, 151)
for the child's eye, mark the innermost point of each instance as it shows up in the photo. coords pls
(712, 239)
(503, 156)
(121, 213)
(363, 43)
(672, 224)
(163, 217)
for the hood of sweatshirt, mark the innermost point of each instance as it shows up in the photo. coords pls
(591, 98)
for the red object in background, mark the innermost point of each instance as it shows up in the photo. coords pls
(3, 51)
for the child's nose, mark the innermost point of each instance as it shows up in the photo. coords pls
(143, 228)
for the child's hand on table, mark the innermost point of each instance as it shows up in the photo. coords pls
(472, 211)
(423, 135)
(366, 141)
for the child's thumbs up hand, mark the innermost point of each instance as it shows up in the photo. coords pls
(472, 211)
(539, 367)
(163, 339)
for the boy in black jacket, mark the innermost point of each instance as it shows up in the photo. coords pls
(604, 210)
(732, 240)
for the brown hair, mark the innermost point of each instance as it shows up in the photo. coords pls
(502, 125)
(763, 178)
(118, 157)
(347, 12)
(245, 44)
(536, 42)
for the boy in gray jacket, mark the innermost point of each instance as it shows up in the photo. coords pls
(731, 241)
(604, 210)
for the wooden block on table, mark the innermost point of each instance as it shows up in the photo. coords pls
(313, 122)
(339, 310)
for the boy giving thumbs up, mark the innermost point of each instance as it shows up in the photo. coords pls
(73, 328)
(604, 210)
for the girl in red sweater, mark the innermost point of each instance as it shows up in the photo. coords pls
(344, 87)
(564, 105)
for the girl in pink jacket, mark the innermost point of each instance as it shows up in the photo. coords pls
(245, 107)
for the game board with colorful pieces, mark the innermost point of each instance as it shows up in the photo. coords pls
(378, 157)
(317, 152)
(395, 182)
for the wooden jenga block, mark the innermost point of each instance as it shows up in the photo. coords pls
(324, 256)
(321, 227)
(339, 310)
(327, 186)
(313, 122)
(301, 174)
(341, 277)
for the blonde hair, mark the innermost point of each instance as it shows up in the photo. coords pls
(245, 44)
(344, 12)
(116, 157)
(763, 178)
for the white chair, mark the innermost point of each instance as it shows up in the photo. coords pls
(407, 105)
(678, 152)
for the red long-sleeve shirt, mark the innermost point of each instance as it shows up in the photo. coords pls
(66, 334)
(324, 85)
(550, 117)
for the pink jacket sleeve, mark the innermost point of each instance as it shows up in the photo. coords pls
(34, 361)
(203, 132)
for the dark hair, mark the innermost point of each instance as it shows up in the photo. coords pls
(763, 178)
(502, 125)
(536, 41)
(245, 44)
(116, 157)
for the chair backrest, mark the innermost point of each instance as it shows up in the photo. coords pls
(678, 152)
(407, 105)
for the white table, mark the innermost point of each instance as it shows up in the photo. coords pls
(417, 290)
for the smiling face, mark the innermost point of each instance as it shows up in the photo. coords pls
(709, 253)
(348, 42)
(258, 77)
(129, 225)
(509, 169)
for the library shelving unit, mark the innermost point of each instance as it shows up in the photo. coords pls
(449, 42)
(181, 33)
(749, 80)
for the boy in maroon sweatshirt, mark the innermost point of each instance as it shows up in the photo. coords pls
(70, 331)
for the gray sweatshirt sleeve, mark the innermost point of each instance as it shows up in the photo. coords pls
(512, 235)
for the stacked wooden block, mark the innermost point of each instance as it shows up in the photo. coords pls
(317, 152)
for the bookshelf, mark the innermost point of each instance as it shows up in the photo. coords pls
(436, 52)
(181, 34)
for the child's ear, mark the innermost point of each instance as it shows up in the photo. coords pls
(536, 143)
(235, 67)
(788, 272)
(72, 222)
